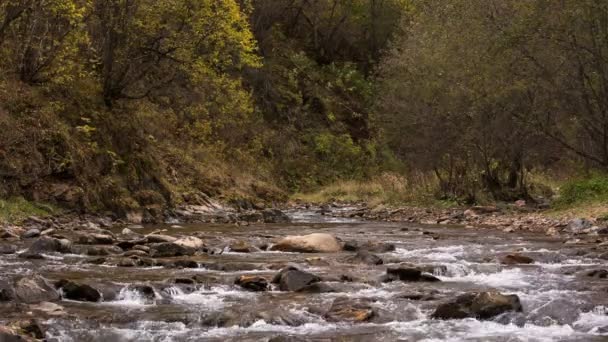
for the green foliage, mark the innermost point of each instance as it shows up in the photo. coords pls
(16, 209)
(588, 190)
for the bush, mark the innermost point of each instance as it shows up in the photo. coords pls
(592, 189)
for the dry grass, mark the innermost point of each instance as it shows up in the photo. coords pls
(388, 188)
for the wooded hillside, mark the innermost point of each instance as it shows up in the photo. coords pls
(118, 104)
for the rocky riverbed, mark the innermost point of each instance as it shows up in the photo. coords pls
(319, 277)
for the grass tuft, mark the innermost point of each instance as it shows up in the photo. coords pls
(17, 209)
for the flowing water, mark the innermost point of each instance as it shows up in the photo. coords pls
(559, 303)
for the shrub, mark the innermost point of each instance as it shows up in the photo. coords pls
(592, 189)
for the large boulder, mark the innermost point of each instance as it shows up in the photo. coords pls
(345, 310)
(47, 244)
(480, 305)
(252, 283)
(312, 243)
(79, 292)
(34, 289)
(169, 249)
(292, 279)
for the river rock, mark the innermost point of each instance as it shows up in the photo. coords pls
(6, 291)
(95, 239)
(292, 279)
(78, 292)
(275, 216)
(370, 246)
(31, 233)
(365, 257)
(103, 250)
(169, 249)
(514, 259)
(135, 252)
(34, 289)
(145, 291)
(191, 242)
(252, 283)
(159, 238)
(312, 243)
(8, 249)
(47, 244)
(408, 274)
(346, 310)
(480, 305)
(578, 225)
(241, 246)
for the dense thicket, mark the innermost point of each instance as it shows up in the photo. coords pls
(480, 92)
(123, 103)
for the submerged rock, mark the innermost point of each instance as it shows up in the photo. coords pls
(252, 283)
(480, 305)
(275, 216)
(365, 257)
(34, 289)
(169, 249)
(47, 244)
(312, 243)
(346, 310)
(241, 246)
(514, 259)
(408, 274)
(145, 291)
(599, 274)
(370, 246)
(8, 249)
(78, 292)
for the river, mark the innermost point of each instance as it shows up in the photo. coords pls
(559, 302)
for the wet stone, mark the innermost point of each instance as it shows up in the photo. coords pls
(346, 310)
(482, 305)
(252, 283)
(8, 249)
(34, 289)
(599, 274)
(292, 279)
(78, 292)
(31, 233)
(169, 249)
(408, 274)
(365, 257)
